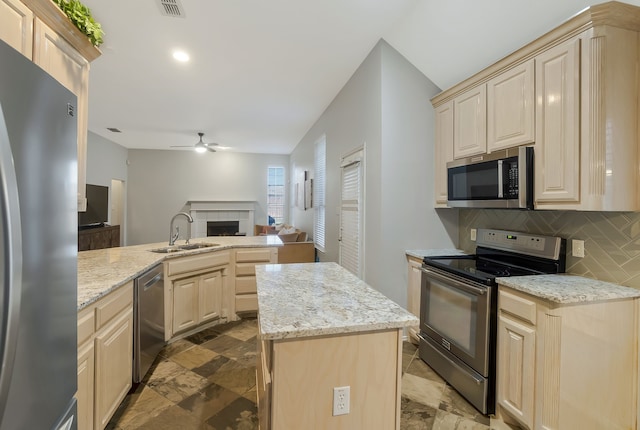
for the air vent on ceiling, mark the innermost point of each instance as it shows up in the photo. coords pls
(114, 130)
(171, 8)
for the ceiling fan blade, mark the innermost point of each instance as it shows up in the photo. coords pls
(211, 144)
(181, 146)
(210, 149)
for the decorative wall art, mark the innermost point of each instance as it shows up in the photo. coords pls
(308, 193)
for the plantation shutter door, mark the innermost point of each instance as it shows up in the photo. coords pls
(350, 218)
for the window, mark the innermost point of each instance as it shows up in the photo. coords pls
(275, 194)
(319, 180)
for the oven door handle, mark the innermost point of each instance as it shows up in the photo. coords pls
(455, 283)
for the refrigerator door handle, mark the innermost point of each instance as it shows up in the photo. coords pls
(11, 253)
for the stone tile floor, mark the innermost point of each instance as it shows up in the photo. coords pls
(207, 382)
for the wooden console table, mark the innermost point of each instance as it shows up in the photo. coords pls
(99, 238)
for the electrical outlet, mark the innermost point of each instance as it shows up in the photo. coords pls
(577, 248)
(341, 399)
(473, 234)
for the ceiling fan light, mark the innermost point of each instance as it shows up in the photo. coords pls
(200, 149)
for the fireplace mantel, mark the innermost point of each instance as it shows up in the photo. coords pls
(202, 211)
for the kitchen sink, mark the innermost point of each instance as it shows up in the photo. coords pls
(178, 248)
(197, 245)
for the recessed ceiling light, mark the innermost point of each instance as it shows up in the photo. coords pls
(180, 56)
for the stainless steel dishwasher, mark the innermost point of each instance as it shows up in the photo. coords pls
(148, 321)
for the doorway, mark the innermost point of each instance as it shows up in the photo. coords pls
(117, 207)
(351, 249)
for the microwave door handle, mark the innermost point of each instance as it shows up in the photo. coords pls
(500, 180)
(522, 177)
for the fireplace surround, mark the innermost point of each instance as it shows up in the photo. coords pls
(203, 211)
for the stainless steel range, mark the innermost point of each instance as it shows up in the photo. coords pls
(459, 306)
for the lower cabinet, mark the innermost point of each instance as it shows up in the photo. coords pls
(517, 364)
(566, 366)
(413, 294)
(198, 299)
(197, 285)
(246, 290)
(105, 351)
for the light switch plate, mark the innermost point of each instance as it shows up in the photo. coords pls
(473, 234)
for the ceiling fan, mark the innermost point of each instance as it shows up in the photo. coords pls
(200, 146)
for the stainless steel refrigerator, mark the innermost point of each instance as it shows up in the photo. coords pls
(38, 248)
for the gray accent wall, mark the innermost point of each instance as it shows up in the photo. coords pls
(612, 239)
(162, 182)
(384, 107)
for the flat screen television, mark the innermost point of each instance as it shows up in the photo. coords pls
(97, 207)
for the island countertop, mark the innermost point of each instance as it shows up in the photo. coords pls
(314, 299)
(103, 270)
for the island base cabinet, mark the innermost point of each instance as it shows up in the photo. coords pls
(295, 389)
(579, 361)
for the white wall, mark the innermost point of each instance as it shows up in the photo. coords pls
(106, 160)
(385, 106)
(161, 183)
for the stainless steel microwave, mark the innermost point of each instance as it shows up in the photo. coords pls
(502, 179)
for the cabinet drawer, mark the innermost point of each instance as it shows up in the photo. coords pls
(247, 303)
(114, 304)
(86, 325)
(246, 285)
(517, 306)
(246, 269)
(197, 262)
(254, 255)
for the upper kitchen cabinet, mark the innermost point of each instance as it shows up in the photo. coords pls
(62, 61)
(572, 94)
(16, 26)
(470, 123)
(510, 108)
(443, 150)
(43, 33)
(557, 149)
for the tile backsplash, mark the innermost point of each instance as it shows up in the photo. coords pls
(611, 239)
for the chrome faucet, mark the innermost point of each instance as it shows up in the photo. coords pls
(174, 237)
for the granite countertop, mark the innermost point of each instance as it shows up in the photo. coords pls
(421, 253)
(313, 299)
(103, 270)
(567, 289)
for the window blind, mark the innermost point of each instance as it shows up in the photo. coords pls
(275, 193)
(319, 184)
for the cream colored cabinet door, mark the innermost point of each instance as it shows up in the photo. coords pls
(443, 150)
(58, 58)
(470, 123)
(86, 372)
(16, 26)
(413, 294)
(186, 294)
(510, 108)
(211, 288)
(114, 352)
(557, 148)
(516, 369)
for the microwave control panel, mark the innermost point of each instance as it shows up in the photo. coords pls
(511, 178)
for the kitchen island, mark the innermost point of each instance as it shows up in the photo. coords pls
(329, 350)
